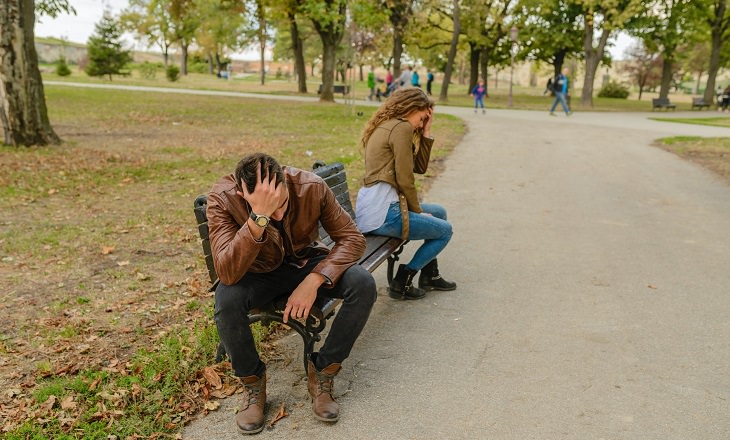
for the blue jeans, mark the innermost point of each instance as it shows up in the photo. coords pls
(478, 101)
(560, 97)
(433, 229)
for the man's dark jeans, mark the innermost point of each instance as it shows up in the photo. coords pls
(356, 287)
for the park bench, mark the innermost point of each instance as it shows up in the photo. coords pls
(337, 88)
(699, 103)
(378, 250)
(662, 103)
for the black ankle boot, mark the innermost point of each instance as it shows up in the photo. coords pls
(402, 285)
(430, 279)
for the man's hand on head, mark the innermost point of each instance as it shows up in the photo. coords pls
(266, 196)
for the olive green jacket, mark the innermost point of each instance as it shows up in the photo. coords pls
(393, 154)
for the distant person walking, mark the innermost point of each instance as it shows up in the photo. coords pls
(479, 92)
(371, 84)
(429, 81)
(560, 87)
(404, 80)
(415, 80)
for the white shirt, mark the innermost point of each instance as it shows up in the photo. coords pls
(372, 205)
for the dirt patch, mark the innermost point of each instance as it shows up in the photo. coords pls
(710, 153)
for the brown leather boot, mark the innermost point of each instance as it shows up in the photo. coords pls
(320, 390)
(250, 417)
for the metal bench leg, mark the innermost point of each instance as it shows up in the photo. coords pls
(392, 260)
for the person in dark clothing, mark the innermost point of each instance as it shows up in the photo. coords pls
(263, 221)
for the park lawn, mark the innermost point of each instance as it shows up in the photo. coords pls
(721, 121)
(711, 153)
(524, 98)
(108, 320)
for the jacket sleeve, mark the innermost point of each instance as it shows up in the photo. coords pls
(402, 143)
(349, 242)
(232, 246)
(423, 156)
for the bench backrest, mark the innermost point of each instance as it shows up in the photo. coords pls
(335, 177)
(660, 101)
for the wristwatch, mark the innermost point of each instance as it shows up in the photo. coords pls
(261, 221)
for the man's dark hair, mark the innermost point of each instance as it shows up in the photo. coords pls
(246, 170)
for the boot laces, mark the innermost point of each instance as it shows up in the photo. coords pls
(252, 394)
(325, 383)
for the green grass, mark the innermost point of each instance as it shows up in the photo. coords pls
(714, 121)
(125, 178)
(524, 97)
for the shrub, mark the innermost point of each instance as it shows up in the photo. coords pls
(172, 72)
(62, 68)
(148, 70)
(613, 89)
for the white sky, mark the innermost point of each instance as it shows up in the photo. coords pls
(77, 28)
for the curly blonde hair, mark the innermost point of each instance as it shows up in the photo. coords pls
(401, 103)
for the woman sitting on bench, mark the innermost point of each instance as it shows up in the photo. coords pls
(397, 141)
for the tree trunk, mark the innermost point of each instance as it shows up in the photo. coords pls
(666, 77)
(400, 13)
(184, 58)
(444, 95)
(397, 51)
(473, 66)
(719, 25)
(210, 63)
(331, 35)
(328, 70)
(262, 58)
(484, 64)
(298, 47)
(593, 57)
(558, 61)
(22, 101)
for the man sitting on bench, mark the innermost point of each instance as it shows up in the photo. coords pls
(263, 222)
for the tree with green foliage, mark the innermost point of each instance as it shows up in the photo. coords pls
(448, 71)
(602, 19)
(221, 21)
(328, 18)
(486, 26)
(716, 14)
(663, 27)
(150, 20)
(62, 68)
(643, 66)
(399, 13)
(552, 31)
(23, 110)
(105, 47)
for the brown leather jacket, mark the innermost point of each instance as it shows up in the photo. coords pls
(392, 155)
(235, 252)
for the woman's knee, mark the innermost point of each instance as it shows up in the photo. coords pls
(435, 210)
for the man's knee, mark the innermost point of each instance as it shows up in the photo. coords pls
(361, 283)
(230, 300)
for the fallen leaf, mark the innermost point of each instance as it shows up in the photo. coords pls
(212, 378)
(279, 415)
(651, 286)
(68, 403)
(212, 405)
(106, 250)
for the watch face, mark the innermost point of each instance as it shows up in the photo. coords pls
(262, 221)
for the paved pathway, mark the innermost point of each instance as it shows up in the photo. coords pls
(593, 302)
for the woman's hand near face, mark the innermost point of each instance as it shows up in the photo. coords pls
(427, 122)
